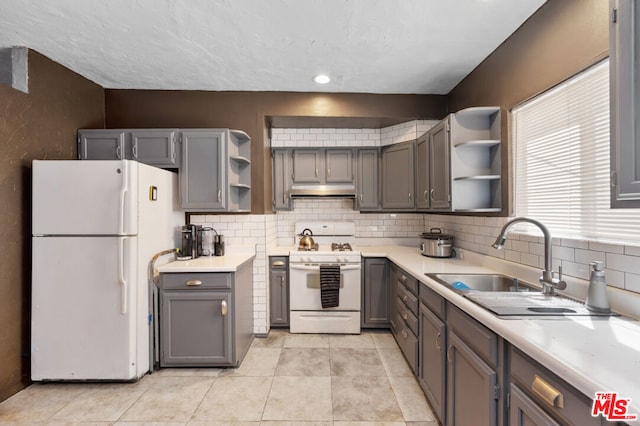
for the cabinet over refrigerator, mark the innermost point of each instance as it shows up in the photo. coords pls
(96, 225)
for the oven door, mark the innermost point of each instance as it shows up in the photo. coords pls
(304, 288)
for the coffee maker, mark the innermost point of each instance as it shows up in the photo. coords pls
(189, 243)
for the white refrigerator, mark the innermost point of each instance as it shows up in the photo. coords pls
(96, 225)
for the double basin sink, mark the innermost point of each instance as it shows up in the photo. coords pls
(510, 297)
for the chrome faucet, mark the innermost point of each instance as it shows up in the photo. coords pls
(549, 283)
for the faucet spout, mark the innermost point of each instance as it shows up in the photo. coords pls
(549, 283)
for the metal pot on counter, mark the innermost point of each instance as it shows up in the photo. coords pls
(436, 244)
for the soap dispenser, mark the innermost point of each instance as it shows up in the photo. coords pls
(597, 294)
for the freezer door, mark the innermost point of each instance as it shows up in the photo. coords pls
(85, 317)
(85, 197)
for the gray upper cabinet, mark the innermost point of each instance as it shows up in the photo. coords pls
(422, 173)
(203, 171)
(155, 147)
(339, 166)
(98, 144)
(368, 179)
(307, 166)
(439, 175)
(281, 179)
(398, 176)
(624, 54)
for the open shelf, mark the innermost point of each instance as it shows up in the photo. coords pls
(479, 142)
(478, 177)
(240, 159)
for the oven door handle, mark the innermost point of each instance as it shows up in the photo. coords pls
(306, 267)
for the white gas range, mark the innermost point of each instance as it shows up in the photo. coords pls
(335, 246)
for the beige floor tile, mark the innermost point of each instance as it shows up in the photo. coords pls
(148, 424)
(101, 402)
(39, 402)
(384, 340)
(304, 362)
(394, 363)
(299, 399)
(364, 399)
(296, 423)
(210, 423)
(432, 423)
(235, 399)
(368, 424)
(169, 399)
(362, 341)
(307, 341)
(259, 362)
(356, 362)
(275, 339)
(411, 399)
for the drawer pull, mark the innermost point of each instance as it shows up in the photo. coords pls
(405, 317)
(404, 298)
(194, 283)
(224, 309)
(449, 354)
(404, 334)
(438, 342)
(547, 393)
(278, 263)
(403, 279)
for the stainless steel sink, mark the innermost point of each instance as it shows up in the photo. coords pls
(508, 297)
(463, 283)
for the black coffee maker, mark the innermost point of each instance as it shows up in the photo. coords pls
(189, 249)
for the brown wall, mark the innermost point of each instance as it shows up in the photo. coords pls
(562, 38)
(40, 124)
(247, 111)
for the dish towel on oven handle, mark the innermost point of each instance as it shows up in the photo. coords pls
(330, 286)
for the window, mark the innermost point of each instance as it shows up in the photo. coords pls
(561, 141)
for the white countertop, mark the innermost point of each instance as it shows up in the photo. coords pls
(235, 258)
(592, 354)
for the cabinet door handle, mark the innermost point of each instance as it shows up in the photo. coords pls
(119, 152)
(449, 354)
(328, 171)
(547, 393)
(134, 150)
(405, 316)
(409, 197)
(438, 342)
(281, 281)
(361, 197)
(278, 263)
(425, 195)
(194, 283)
(219, 195)
(316, 172)
(224, 309)
(431, 194)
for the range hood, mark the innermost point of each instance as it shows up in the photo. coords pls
(313, 191)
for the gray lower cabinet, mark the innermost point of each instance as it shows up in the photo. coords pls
(203, 171)
(375, 293)
(405, 322)
(281, 179)
(539, 397)
(432, 370)
(368, 179)
(398, 176)
(279, 291)
(206, 319)
(474, 394)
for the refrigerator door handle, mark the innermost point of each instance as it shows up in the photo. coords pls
(121, 275)
(123, 193)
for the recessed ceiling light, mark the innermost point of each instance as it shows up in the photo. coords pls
(321, 79)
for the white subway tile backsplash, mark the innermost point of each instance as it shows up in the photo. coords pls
(609, 248)
(632, 282)
(621, 262)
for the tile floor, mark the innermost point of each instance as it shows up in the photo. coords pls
(285, 379)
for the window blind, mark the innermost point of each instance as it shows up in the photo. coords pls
(561, 141)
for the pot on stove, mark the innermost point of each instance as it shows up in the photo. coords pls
(306, 242)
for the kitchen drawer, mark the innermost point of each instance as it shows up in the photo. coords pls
(433, 301)
(409, 319)
(195, 281)
(482, 340)
(536, 381)
(408, 298)
(408, 343)
(408, 281)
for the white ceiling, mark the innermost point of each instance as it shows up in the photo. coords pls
(367, 46)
